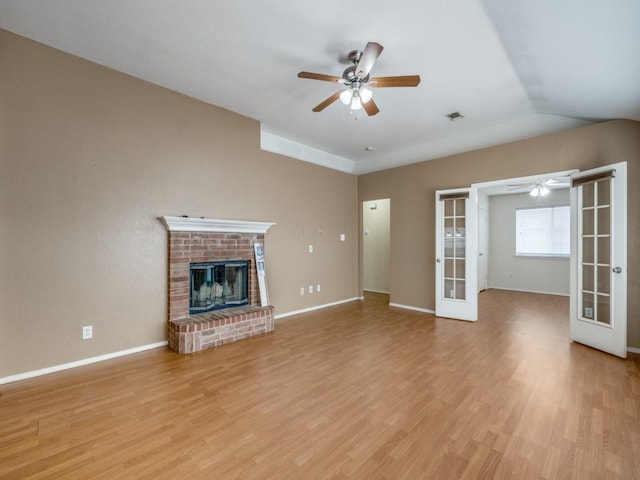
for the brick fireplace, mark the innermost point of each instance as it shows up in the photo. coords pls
(194, 240)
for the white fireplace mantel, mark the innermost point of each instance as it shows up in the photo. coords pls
(192, 224)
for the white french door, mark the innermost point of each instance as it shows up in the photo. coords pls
(599, 258)
(456, 254)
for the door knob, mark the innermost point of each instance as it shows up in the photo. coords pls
(438, 260)
(617, 270)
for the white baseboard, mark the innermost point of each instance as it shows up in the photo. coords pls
(528, 291)
(80, 363)
(415, 309)
(376, 291)
(317, 307)
(633, 350)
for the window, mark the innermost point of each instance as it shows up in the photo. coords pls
(543, 231)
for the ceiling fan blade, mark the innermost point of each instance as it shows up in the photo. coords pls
(402, 81)
(370, 107)
(320, 76)
(552, 182)
(369, 56)
(327, 102)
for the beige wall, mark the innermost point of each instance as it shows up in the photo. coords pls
(411, 190)
(90, 158)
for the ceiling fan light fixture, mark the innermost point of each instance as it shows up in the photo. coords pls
(365, 94)
(346, 96)
(356, 103)
(539, 190)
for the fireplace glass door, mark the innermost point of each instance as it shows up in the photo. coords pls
(217, 285)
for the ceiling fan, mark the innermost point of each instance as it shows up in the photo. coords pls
(540, 188)
(358, 94)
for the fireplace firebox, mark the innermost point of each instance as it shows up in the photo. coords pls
(218, 285)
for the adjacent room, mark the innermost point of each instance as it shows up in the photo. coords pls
(284, 240)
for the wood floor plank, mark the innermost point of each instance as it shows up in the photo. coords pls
(356, 391)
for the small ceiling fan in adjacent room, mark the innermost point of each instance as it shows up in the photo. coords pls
(358, 94)
(540, 188)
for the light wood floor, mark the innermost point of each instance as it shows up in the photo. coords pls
(358, 391)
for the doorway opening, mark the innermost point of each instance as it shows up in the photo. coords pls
(500, 204)
(376, 225)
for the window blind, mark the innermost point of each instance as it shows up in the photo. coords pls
(543, 231)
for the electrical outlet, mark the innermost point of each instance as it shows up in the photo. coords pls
(87, 332)
(310, 288)
(301, 290)
(342, 237)
(318, 288)
(310, 248)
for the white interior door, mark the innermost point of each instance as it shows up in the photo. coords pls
(599, 258)
(457, 254)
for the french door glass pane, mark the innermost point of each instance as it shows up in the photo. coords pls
(604, 309)
(448, 267)
(604, 192)
(604, 251)
(449, 291)
(587, 194)
(587, 305)
(604, 280)
(604, 215)
(460, 268)
(587, 250)
(587, 278)
(587, 221)
(448, 247)
(448, 208)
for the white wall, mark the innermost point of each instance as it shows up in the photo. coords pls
(375, 244)
(506, 271)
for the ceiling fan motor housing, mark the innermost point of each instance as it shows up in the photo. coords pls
(350, 72)
(355, 56)
(350, 75)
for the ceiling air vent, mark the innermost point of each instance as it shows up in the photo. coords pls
(454, 116)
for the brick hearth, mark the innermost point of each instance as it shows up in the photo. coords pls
(208, 330)
(191, 333)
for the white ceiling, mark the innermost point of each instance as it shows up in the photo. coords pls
(514, 69)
